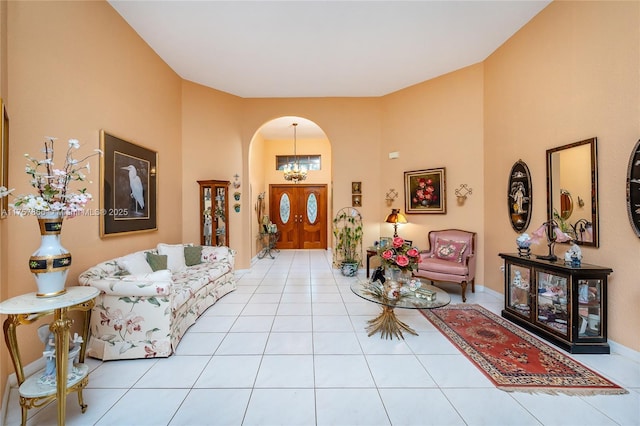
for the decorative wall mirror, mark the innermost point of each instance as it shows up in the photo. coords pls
(572, 190)
(633, 189)
(520, 199)
(214, 212)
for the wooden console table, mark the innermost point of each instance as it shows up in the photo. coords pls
(28, 308)
(564, 304)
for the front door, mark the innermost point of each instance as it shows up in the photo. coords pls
(300, 212)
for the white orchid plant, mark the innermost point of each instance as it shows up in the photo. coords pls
(52, 184)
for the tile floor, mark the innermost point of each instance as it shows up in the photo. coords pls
(289, 348)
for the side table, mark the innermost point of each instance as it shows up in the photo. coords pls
(371, 251)
(269, 240)
(26, 309)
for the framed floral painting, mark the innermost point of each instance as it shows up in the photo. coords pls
(425, 191)
(128, 187)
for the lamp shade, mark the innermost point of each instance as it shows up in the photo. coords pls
(396, 217)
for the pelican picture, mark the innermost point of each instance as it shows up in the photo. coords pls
(129, 187)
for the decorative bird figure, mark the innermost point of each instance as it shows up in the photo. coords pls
(136, 186)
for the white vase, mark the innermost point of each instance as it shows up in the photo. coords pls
(50, 263)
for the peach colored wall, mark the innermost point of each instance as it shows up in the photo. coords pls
(211, 149)
(257, 185)
(438, 123)
(569, 74)
(4, 252)
(76, 68)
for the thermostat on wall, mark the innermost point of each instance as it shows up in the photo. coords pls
(393, 155)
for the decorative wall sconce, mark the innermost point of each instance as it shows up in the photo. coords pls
(391, 196)
(462, 192)
(236, 182)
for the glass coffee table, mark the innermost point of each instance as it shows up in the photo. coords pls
(387, 323)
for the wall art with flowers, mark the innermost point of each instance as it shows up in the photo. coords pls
(424, 191)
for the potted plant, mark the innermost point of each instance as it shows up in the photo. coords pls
(347, 230)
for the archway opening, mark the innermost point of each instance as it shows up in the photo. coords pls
(271, 148)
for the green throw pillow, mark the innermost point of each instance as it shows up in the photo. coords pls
(157, 261)
(192, 255)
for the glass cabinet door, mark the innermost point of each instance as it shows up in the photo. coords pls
(589, 308)
(552, 302)
(519, 289)
(214, 212)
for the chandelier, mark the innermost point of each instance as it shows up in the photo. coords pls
(295, 173)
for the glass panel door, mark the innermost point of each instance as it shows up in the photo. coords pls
(589, 308)
(552, 302)
(519, 287)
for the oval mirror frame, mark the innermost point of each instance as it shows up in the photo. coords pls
(519, 199)
(573, 168)
(633, 189)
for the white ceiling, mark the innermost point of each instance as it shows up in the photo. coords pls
(274, 49)
(257, 49)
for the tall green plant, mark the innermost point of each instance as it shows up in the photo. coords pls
(347, 230)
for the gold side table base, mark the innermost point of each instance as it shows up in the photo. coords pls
(388, 324)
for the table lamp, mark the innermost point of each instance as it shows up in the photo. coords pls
(396, 217)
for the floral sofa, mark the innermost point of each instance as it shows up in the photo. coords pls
(148, 299)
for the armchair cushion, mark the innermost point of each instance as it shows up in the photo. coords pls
(449, 250)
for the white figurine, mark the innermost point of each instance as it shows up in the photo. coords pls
(573, 255)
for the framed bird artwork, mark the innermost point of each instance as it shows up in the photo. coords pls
(128, 175)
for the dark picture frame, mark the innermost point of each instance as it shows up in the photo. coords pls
(128, 187)
(356, 187)
(4, 158)
(519, 196)
(356, 200)
(633, 189)
(425, 191)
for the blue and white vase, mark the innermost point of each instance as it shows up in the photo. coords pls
(50, 263)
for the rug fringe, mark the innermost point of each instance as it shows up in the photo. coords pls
(564, 391)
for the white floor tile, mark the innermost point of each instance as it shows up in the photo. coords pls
(491, 407)
(420, 407)
(284, 323)
(173, 372)
(454, 371)
(281, 407)
(142, 407)
(285, 371)
(398, 371)
(120, 374)
(251, 323)
(230, 371)
(350, 407)
(289, 344)
(342, 371)
(243, 344)
(332, 323)
(334, 343)
(212, 407)
(562, 410)
(199, 343)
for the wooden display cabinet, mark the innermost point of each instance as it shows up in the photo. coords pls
(214, 212)
(563, 304)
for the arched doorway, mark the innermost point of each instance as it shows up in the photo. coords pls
(271, 146)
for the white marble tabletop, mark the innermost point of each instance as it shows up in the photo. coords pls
(31, 304)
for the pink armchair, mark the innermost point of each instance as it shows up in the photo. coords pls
(450, 258)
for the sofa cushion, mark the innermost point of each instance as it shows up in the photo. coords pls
(157, 262)
(449, 250)
(135, 263)
(175, 256)
(192, 255)
(442, 266)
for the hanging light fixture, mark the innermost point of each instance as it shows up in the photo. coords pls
(295, 173)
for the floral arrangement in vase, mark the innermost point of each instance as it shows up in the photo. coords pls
(401, 256)
(52, 184)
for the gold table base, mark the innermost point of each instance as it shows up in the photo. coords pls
(388, 324)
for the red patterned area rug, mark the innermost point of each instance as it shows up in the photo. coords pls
(513, 359)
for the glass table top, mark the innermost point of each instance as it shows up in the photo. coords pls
(407, 299)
